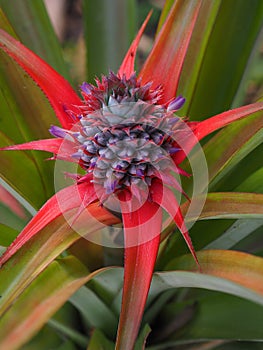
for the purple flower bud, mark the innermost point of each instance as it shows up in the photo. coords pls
(176, 104)
(85, 87)
(57, 131)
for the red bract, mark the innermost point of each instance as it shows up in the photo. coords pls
(124, 134)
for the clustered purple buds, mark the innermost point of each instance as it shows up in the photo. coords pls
(124, 136)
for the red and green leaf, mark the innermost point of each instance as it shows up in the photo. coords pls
(127, 66)
(61, 96)
(60, 203)
(167, 200)
(164, 64)
(141, 226)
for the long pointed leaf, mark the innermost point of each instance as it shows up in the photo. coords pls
(115, 23)
(38, 252)
(23, 119)
(216, 122)
(25, 204)
(241, 229)
(32, 118)
(127, 66)
(226, 149)
(164, 64)
(41, 300)
(138, 268)
(34, 29)
(206, 127)
(223, 41)
(242, 269)
(60, 203)
(231, 205)
(48, 145)
(226, 205)
(94, 311)
(166, 199)
(60, 94)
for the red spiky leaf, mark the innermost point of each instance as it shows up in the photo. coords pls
(218, 121)
(138, 267)
(48, 145)
(58, 204)
(58, 91)
(167, 200)
(164, 64)
(206, 127)
(127, 66)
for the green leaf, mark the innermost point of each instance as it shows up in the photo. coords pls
(218, 205)
(99, 341)
(235, 233)
(226, 149)
(31, 260)
(68, 332)
(165, 11)
(141, 341)
(19, 199)
(242, 171)
(7, 235)
(203, 30)
(107, 285)
(95, 312)
(253, 183)
(32, 118)
(45, 339)
(38, 252)
(223, 41)
(218, 317)
(65, 322)
(9, 219)
(115, 28)
(232, 272)
(68, 345)
(165, 61)
(231, 319)
(40, 300)
(31, 23)
(230, 205)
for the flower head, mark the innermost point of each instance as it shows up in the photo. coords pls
(123, 137)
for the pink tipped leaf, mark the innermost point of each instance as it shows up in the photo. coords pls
(218, 121)
(166, 199)
(201, 129)
(141, 225)
(60, 203)
(63, 149)
(127, 66)
(48, 145)
(58, 91)
(164, 64)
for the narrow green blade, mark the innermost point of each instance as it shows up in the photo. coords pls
(109, 29)
(218, 55)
